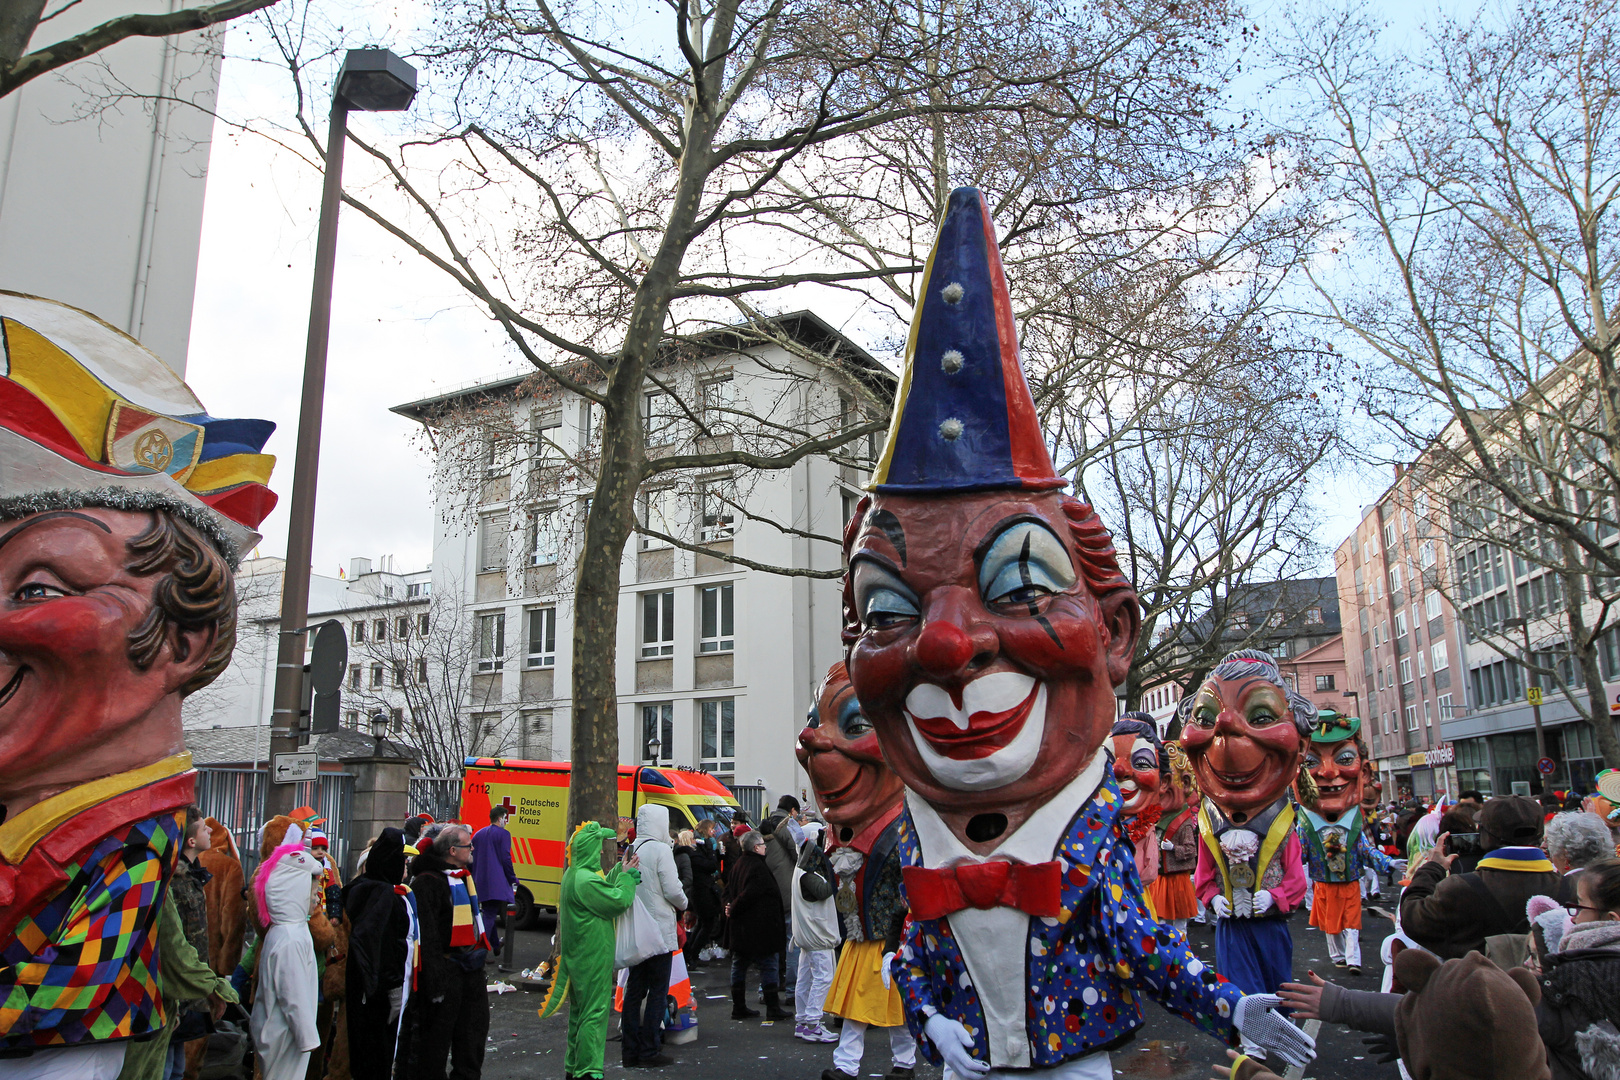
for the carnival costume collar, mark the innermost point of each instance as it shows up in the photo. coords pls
(1527, 860)
(1260, 824)
(18, 835)
(1345, 820)
(868, 836)
(1034, 841)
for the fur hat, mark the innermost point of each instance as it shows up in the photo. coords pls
(1467, 1019)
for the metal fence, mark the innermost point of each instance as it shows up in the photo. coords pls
(751, 797)
(235, 797)
(437, 796)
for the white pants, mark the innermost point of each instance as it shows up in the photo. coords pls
(1091, 1067)
(1369, 883)
(103, 1062)
(815, 979)
(1345, 946)
(852, 1042)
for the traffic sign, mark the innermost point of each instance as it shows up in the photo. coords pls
(1534, 696)
(1546, 766)
(294, 768)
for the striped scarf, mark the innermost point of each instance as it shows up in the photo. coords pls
(466, 921)
(1530, 860)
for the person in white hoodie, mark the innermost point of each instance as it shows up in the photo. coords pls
(647, 984)
(283, 1025)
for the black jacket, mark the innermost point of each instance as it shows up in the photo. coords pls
(440, 967)
(1579, 989)
(755, 925)
(1452, 916)
(704, 895)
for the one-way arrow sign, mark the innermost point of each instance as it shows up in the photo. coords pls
(294, 768)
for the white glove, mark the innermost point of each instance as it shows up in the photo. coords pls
(1166, 845)
(1399, 865)
(1270, 1031)
(1223, 908)
(1263, 902)
(955, 1045)
(888, 977)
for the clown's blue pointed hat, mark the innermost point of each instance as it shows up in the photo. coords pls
(964, 419)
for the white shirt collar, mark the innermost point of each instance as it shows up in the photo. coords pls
(1034, 841)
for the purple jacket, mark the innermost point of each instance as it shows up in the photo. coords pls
(493, 876)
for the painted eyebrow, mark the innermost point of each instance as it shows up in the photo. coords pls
(1002, 526)
(885, 522)
(877, 559)
(102, 525)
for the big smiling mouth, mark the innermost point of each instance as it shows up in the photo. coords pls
(985, 733)
(1235, 781)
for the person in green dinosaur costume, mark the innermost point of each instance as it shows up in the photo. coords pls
(589, 902)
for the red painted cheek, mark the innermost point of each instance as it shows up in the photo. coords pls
(62, 629)
(881, 676)
(864, 749)
(1065, 638)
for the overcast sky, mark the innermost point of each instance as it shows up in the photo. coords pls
(399, 332)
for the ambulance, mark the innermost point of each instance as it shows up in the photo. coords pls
(536, 794)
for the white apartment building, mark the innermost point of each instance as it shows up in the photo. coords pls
(716, 662)
(101, 207)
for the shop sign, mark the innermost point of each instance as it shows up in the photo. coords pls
(1445, 754)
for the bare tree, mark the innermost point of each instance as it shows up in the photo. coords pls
(20, 21)
(1475, 182)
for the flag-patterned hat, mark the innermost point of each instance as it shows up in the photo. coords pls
(89, 417)
(964, 419)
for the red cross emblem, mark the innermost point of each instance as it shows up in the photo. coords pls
(506, 804)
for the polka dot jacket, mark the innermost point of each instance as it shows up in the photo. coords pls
(1088, 969)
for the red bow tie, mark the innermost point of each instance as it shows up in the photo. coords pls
(1033, 888)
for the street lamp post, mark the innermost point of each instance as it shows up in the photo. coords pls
(1521, 623)
(371, 80)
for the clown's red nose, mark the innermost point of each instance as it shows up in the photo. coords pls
(943, 649)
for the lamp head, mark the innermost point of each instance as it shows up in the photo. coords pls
(375, 80)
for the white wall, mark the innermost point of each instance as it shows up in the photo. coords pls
(102, 207)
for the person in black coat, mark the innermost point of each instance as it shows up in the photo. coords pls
(704, 893)
(375, 974)
(755, 932)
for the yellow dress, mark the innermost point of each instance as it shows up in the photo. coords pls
(857, 990)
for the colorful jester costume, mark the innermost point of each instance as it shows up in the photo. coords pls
(1254, 950)
(588, 903)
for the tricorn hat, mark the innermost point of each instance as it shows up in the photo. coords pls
(964, 419)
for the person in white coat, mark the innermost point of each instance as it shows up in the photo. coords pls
(283, 1024)
(647, 984)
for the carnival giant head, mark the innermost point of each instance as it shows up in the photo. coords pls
(1140, 767)
(1336, 758)
(123, 508)
(1245, 733)
(839, 750)
(1181, 789)
(986, 617)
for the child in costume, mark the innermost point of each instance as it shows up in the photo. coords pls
(987, 622)
(1245, 734)
(284, 1004)
(1334, 835)
(587, 904)
(861, 799)
(115, 479)
(1174, 898)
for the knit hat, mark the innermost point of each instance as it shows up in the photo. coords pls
(1467, 1019)
(1512, 820)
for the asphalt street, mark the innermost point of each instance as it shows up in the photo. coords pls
(523, 1046)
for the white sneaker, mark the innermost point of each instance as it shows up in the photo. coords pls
(822, 1034)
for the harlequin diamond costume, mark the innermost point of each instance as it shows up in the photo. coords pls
(1337, 850)
(123, 509)
(987, 622)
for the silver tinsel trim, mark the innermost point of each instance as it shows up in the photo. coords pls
(112, 498)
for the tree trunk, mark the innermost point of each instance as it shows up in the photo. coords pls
(1583, 646)
(18, 20)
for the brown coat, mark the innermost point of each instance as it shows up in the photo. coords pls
(1452, 916)
(1183, 859)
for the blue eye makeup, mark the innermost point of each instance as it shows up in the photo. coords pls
(882, 598)
(1024, 564)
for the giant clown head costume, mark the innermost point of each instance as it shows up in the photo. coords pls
(839, 751)
(986, 618)
(1337, 762)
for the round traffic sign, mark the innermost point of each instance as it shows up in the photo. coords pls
(1546, 766)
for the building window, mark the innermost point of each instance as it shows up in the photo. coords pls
(716, 609)
(543, 536)
(421, 670)
(1383, 631)
(848, 501)
(1324, 682)
(1406, 523)
(399, 674)
(1426, 554)
(354, 676)
(359, 635)
(379, 630)
(1400, 624)
(1431, 605)
(376, 676)
(716, 400)
(1380, 684)
(655, 510)
(1240, 621)
(658, 418)
(1369, 550)
(494, 456)
(657, 624)
(537, 735)
(1445, 707)
(1428, 715)
(1313, 616)
(413, 591)
(658, 722)
(397, 718)
(1276, 619)
(422, 624)
(1395, 579)
(1389, 535)
(1406, 670)
(547, 438)
(492, 542)
(1411, 718)
(716, 496)
(402, 627)
(351, 719)
(585, 426)
(542, 637)
(484, 727)
(492, 642)
(1437, 656)
(718, 737)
